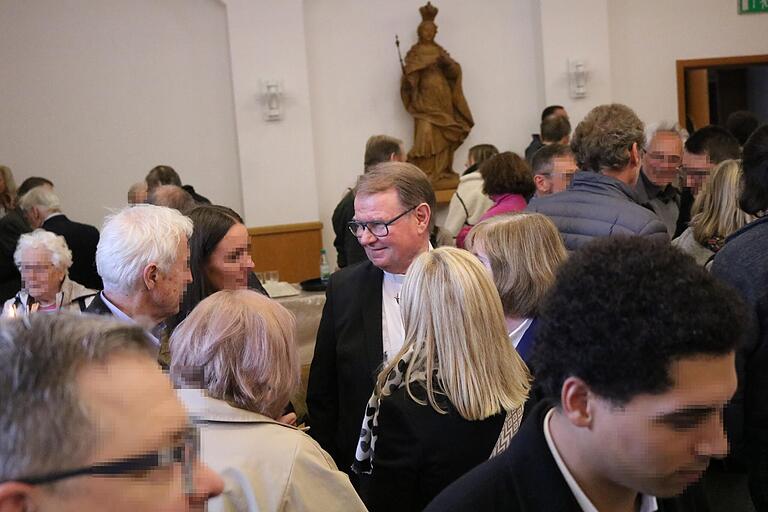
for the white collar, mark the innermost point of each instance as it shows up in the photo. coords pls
(518, 332)
(203, 407)
(120, 314)
(54, 214)
(647, 503)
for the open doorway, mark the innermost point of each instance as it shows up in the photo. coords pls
(709, 90)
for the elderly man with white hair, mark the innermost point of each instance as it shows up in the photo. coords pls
(44, 259)
(42, 209)
(143, 259)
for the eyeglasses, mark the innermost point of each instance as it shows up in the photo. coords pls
(377, 228)
(184, 452)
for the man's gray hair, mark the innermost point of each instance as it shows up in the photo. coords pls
(135, 237)
(42, 197)
(45, 425)
(61, 256)
(652, 129)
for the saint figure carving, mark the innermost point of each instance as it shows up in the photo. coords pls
(432, 94)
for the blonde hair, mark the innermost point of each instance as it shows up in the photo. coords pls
(455, 326)
(524, 251)
(716, 209)
(245, 345)
(8, 196)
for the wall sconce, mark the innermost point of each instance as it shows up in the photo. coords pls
(577, 78)
(271, 93)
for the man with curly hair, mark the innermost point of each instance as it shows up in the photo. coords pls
(634, 383)
(601, 200)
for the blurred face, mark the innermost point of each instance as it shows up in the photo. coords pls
(407, 237)
(39, 276)
(663, 158)
(168, 289)
(696, 169)
(559, 178)
(660, 444)
(137, 411)
(230, 262)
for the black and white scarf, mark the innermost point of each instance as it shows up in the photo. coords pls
(366, 445)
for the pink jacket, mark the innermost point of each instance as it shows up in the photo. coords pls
(502, 203)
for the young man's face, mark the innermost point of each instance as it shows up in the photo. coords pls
(660, 444)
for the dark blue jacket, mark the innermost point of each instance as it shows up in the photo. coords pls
(595, 206)
(743, 263)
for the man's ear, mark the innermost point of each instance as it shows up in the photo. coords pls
(16, 497)
(635, 155)
(423, 213)
(541, 184)
(150, 276)
(576, 402)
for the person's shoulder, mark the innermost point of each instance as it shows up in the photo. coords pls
(355, 272)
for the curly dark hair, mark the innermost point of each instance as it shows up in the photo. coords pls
(754, 195)
(622, 310)
(507, 173)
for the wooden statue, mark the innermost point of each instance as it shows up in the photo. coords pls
(432, 94)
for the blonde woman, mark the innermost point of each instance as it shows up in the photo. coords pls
(7, 190)
(522, 252)
(440, 406)
(715, 214)
(239, 346)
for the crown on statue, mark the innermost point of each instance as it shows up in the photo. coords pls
(428, 12)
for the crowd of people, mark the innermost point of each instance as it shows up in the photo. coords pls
(586, 330)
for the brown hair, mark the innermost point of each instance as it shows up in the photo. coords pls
(602, 141)
(380, 148)
(482, 152)
(245, 345)
(524, 251)
(410, 183)
(555, 128)
(507, 173)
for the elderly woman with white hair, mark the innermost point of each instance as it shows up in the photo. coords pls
(237, 351)
(43, 259)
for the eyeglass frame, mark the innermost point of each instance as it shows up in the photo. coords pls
(354, 225)
(190, 443)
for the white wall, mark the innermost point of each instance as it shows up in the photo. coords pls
(276, 157)
(94, 94)
(575, 30)
(646, 38)
(354, 78)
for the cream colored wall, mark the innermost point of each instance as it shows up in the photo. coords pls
(646, 38)
(94, 94)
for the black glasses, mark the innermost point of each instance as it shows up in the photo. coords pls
(377, 228)
(185, 452)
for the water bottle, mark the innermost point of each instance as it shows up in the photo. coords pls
(325, 268)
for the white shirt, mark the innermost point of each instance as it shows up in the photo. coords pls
(517, 334)
(392, 331)
(118, 313)
(647, 503)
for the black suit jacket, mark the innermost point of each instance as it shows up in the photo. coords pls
(12, 226)
(526, 478)
(348, 356)
(97, 306)
(420, 451)
(82, 240)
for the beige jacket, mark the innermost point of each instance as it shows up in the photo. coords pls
(267, 466)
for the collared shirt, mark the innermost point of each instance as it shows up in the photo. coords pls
(392, 331)
(54, 214)
(647, 503)
(118, 313)
(517, 333)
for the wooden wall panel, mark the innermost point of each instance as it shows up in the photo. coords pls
(291, 249)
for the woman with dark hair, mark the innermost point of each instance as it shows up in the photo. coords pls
(508, 181)
(218, 256)
(742, 264)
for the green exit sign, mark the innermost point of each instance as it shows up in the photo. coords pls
(752, 6)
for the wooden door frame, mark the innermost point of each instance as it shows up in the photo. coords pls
(717, 62)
